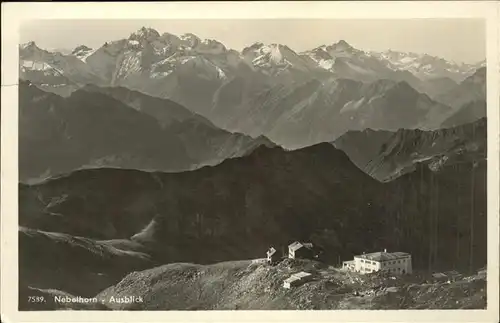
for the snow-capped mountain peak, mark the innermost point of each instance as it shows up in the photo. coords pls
(424, 66)
(274, 57)
(340, 49)
(253, 47)
(82, 52)
(342, 45)
(326, 55)
(273, 51)
(30, 48)
(148, 34)
(80, 49)
(28, 45)
(191, 39)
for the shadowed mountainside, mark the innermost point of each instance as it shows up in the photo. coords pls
(91, 129)
(313, 111)
(387, 155)
(473, 88)
(237, 209)
(467, 113)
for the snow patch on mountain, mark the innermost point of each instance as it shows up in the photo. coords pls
(359, 69)
(130, 64)
(326, 64)
(157, 75)
(295, 113)
(36, 65)
(220, 72)
(352, 105)
(210, 46)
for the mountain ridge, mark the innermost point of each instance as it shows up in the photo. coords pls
(389, 154)
(268, 197)
(247, 91)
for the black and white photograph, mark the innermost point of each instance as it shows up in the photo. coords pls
(252, 164)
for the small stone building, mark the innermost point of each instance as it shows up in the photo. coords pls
(272, 256)
(297, 279)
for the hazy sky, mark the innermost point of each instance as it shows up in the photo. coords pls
(461, 40)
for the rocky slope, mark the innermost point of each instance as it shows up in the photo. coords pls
(385, 155)
(96, 127)
(246, 285)
(252, 285)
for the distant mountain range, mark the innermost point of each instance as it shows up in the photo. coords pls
(294, 99)
(116, 127)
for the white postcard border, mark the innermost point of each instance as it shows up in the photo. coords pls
(13, 14)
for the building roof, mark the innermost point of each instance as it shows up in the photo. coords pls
(439, 275)
(383, 256)
(291, 279)
(271, 251)
(297, 276)
(452, 273)
(297, 245)
(301, 274)
(349, 262)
